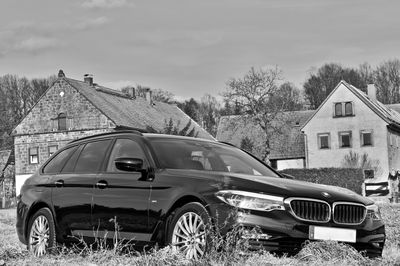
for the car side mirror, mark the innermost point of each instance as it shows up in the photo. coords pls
(287, 176)
(129, 164)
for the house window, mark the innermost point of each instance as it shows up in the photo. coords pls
(366, 138)
(52, 149)
(348, 109)
(34, 155)
(324, 141)
(338, 109)
(62, 121)
(343, 109)
(345, 139)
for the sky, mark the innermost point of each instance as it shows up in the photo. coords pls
(192, 47)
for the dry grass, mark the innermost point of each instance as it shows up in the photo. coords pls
(316, 253)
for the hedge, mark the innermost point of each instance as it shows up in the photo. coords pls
(342, 177)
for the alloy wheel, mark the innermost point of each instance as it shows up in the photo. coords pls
(39, 236)
(189, 235)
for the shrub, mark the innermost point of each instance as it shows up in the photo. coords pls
(342, 177)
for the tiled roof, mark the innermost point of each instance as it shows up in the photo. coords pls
(134, 112)
(287, 144)
(390, 115)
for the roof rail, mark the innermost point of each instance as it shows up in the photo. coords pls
(119, 131)
(139, 130)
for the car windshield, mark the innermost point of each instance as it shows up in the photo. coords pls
(206, 156)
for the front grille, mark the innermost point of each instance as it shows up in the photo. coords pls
(348, 213)
(310, 210)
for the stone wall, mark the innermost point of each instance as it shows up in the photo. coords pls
(62, 98)
(40, 127)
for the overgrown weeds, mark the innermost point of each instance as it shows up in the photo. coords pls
(224, 249)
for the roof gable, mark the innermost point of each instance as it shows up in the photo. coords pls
(386, 113)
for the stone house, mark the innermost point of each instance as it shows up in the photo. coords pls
(350, 123)
(72, 109)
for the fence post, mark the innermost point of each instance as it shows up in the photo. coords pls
(363, 189)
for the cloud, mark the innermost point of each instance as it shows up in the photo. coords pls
(116, 85)
(32, 37)
(91, 23)
(107, 3)
(35, 43)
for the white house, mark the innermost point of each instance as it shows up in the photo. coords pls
(352, 122)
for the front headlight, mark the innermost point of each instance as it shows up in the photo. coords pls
(373, 212)
(250, 200)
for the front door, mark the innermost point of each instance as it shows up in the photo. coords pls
(121, 198)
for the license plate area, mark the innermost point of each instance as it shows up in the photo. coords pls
(332, 233)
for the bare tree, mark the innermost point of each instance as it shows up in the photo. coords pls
(387, 79)
(209, 113)
(164, 96)
(258, 95)
(17, 97)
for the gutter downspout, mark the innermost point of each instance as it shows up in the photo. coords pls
(306, 163)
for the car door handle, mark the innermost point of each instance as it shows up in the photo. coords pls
(59, 183)
(101, 184)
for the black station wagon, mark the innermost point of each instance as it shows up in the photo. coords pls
(164, 189)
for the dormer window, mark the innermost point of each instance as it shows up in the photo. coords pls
(62, 121)
(343, 109)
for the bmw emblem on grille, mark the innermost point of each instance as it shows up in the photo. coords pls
(326, 194)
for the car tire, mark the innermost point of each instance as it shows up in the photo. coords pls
(41, 233)
(188, 229)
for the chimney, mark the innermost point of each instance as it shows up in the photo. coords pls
(149, 96)
(88, 78)
(371, 90)
(61, 74)
(130, 91)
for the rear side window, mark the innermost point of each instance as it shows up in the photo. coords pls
(55, 165)
(69, 166)
(92, 157)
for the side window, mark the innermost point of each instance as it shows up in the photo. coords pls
(55, 165)
(34, 155)
(366, 138)
(52, 149)
(345, 139)
(338, 109)
(348, 109)
(125, 148)
(62, 121)
(92, 156)
(324, 141)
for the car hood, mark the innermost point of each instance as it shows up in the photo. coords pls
(276, 186)
(296, 188)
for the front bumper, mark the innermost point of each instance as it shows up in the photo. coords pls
(284, 233)
(279, 231)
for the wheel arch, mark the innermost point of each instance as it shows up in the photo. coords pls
(185, 199)
(179, 202)
(32, 210)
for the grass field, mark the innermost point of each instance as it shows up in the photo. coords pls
(317, 253)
